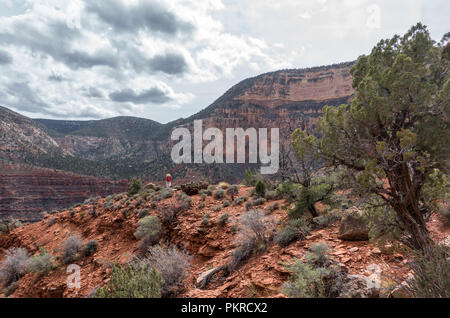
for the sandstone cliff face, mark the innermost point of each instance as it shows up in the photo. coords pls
(27, 191)
(289, 87)
(274, 99)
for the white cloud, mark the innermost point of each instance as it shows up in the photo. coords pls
(69, 56)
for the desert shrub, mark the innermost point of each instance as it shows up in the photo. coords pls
(318, 255)
(232, 191)
(166, 193)
(7, 226)
(297, 211)
(135, 187)
(445, 212)
(41, 263)
(144, 195)
(205, 192)
(270, 195)
(148, 231)
(325, 220)
(14, 265)
(240, 200)
(248, 205)
(126, 212)
(223, 185)
(223, 219)
(431, 274)
(169, 212)
(288, 191)
(70, 248)
(383, 226)
(90, 248)
(272, 207)
(72, 212)
(139, 280)
(219, 194)
(293, 231)
(52, 221)
(251, 178)
(245, 248)
(305, 281)
(254, 224)
(206, 218)
(139, 201)
(225, 203)
(93, 212)
(218, 208)
(143, 213)
(184, 201)
(234, 228)
(258, 202)
(172, 264)
(254, 234)
(203, 197)
(9, 290)
(260, 188)
(201, 205)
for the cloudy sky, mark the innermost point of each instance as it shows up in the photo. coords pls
(90, 59)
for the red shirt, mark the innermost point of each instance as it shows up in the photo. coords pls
(168, 178)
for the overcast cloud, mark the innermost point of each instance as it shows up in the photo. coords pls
(89, 59)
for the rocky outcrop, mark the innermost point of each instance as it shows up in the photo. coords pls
(27, 191)
(193, 188)
(353, 226)
(358, 286)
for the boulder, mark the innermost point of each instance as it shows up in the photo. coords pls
(342, 285)
(193, 188)
(400, 291)
(353, 226)
(150, 186)
(357, 286)
(445, 242)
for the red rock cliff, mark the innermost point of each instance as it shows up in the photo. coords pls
(27, 191)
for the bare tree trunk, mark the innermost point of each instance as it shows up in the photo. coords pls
(407, 208)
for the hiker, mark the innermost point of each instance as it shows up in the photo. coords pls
(168, 180)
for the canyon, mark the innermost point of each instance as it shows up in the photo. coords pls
(26, 191)
(99, 151)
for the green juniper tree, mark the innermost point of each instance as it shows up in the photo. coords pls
(393, 137)
(314, 188)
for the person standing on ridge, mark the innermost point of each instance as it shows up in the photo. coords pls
(168, 180)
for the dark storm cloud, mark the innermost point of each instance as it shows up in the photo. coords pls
(56, 42)
(25, 98)
(170, 63)
(5, 58)
(153, 95)
(145, 15)
(94, 92)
